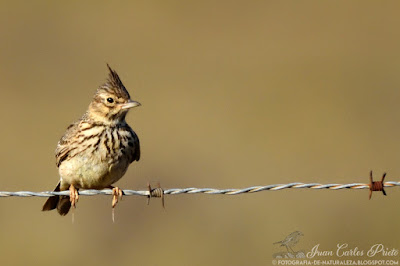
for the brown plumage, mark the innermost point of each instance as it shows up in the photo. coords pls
(96, 150)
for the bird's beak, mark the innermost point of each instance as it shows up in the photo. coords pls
(130, 104)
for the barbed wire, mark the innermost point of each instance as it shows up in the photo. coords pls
(213, 191)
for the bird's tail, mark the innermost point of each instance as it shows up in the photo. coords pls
(279, 242)
(62, 203)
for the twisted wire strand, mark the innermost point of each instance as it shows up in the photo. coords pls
(213, 191)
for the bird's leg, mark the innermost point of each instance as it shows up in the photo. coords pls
(73, 195)
(117, 195)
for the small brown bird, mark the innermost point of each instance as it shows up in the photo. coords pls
(96, 150)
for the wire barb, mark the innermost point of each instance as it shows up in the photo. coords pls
(376, 185)
(213, 191)
(157, 192)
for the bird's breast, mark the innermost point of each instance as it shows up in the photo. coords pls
(100, 158)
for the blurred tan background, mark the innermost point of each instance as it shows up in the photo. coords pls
(234, 94)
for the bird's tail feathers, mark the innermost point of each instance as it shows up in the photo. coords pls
(62, 203)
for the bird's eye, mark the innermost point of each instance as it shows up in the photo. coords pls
(110, 100)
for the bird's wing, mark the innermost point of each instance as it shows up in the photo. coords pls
(64, 146)
(136, 146)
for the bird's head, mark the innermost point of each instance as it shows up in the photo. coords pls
(298, 233)
(111, 101)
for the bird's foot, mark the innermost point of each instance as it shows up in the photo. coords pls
(117, 196)
(73, 195)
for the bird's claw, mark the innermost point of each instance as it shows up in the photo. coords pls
(117, 196)
(73, 195)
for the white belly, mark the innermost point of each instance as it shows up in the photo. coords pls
(88, 173)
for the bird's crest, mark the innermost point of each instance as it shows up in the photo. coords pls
(115, 84)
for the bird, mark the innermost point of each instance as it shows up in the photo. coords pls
(290, 241)
(97, 149)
